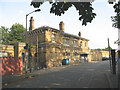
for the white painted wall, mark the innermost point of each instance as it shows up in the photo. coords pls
(119, 39)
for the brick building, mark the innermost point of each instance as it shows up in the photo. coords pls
(53, 45)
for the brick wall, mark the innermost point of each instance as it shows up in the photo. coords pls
(12, 66)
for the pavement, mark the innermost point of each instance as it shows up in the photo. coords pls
(112, 78)
(8, 79)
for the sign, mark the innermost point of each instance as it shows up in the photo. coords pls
(26, 53)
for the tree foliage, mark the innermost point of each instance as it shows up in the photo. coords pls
(4, 35)
(116, 19)
(15, 32)
(84, 9)
(12, 35)
(105, 49)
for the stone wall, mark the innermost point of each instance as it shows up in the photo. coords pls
(19, 49)
(105, 53)
(13, 50)
(95, 55)
(9, 49)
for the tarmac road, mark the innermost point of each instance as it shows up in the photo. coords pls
(82, 75)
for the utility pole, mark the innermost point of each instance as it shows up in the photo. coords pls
(109, 53)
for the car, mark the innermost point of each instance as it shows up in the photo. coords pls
(105, 58)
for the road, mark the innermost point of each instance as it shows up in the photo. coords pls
(83, 75)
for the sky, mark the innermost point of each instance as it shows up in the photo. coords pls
(98, 32)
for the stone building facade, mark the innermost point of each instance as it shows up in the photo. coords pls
(97, 55)
(53, 45)
(105, 53)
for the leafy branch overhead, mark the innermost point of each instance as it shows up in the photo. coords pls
(116, 19)
(84, 9)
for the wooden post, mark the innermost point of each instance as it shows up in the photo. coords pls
(113, 61)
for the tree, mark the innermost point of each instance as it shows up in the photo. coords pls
(14, 34)
(107, 49)
(104, 49)
(116, 19)
(85, 9)
(4, 35)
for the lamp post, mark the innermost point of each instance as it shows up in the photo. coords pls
(26, 54)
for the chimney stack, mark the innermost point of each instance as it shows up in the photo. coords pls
(31, 24)
(79, 34)
(61, 26)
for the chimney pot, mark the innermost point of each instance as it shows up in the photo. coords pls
(61, 26)
(79, 34)
(31, 24)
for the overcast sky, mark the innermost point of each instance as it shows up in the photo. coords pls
(14, 11)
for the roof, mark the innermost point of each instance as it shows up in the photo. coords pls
(63, 33)
(46, 27)
(84, 53)
(75, 36)
(40, 28)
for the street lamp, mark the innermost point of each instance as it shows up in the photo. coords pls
(111, 1)
(29, 14)
(26, 54)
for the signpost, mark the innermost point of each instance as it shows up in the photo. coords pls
(26, 56)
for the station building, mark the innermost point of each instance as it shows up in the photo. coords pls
(53, 45)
